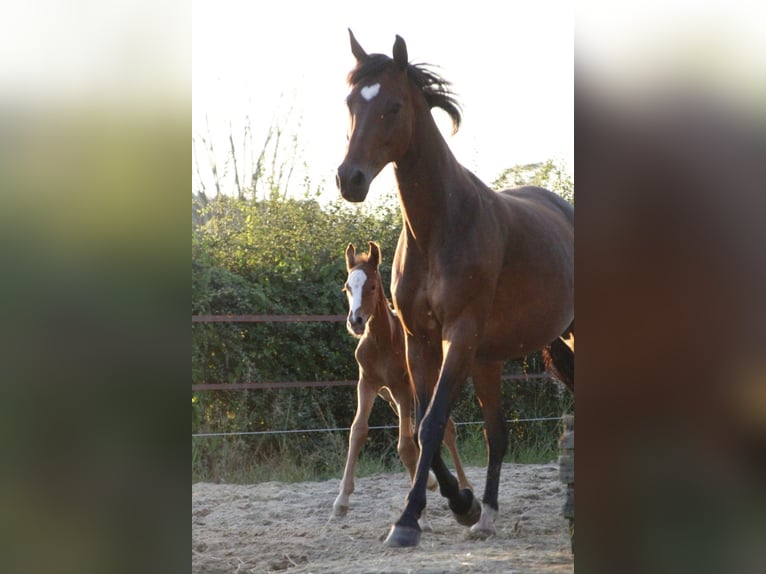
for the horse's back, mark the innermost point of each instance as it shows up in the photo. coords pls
(533, 197)
(538, 230)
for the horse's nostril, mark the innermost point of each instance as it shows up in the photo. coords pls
(357, 177)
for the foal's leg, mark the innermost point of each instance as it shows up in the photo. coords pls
(486, 383)
(450, 440)
(365, 394)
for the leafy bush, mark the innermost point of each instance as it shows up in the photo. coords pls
(285, 256)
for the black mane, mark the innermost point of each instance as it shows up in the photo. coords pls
(436, 89)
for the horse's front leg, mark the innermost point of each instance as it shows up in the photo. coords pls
(408, 450)
(366, 391)
(400, 400)
(486, 383)
(423, 365)
(455, 366)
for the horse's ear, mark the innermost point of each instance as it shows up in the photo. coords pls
(374, 254)
(356, 49)
(400, 53)
(350, 256)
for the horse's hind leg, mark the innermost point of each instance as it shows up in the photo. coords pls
(486, 383)
(450, 440)
(559, 358)
(365, 393)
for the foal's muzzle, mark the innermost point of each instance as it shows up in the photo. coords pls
(352, 182)
(355, 324)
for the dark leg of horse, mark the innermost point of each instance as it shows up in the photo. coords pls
(431, 433)
(424, 368)
(486, 383)
(464, 506)
(400, 401)
(559, 359)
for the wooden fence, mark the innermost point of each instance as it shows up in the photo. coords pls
(217, 386)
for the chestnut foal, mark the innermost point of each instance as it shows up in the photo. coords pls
(382, 371)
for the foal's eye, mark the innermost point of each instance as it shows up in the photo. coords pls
(396, 107)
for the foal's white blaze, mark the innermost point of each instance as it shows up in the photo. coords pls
(356, 280)
(369, 92)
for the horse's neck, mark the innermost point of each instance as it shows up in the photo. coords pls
(429, 180)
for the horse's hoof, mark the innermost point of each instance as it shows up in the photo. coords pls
(473, 514)
(403, 536)
(485, 527)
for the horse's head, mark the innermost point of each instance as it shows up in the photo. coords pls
(381, 117)
(362, 286)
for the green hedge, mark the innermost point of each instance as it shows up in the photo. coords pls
(285, 256)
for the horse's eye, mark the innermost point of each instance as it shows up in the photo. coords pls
(396, 108)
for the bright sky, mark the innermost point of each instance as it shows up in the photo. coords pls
(510, 64)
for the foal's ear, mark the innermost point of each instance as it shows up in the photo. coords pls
(374, 254)
(400, 53)
(356, 49)
(350, 256)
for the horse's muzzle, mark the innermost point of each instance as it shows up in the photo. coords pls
(352, 182)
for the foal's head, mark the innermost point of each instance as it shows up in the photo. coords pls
(363, 287)
(386, 96)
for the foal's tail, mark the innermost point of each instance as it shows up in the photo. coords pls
(559, 358)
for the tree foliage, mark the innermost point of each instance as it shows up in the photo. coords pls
(548, 174)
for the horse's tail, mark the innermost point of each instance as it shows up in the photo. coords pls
(559, 358)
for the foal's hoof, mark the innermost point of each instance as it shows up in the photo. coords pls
(432, 482)
(403, 536)
(340, 506)
(472, 515)
(339, 511)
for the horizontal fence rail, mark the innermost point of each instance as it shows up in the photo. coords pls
(305, 384)
(346, 429)
(268, 318)
(270, 385)
(252, 385)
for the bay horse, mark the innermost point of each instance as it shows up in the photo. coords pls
(478, 276)
(382, 371)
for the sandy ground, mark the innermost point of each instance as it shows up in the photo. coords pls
(280, 527)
